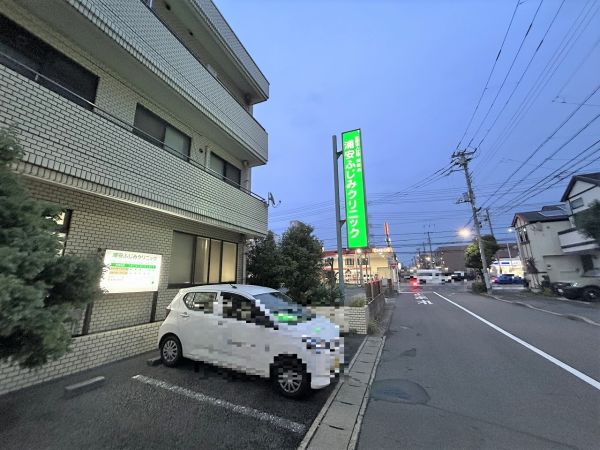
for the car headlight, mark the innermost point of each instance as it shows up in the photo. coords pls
(576, 284)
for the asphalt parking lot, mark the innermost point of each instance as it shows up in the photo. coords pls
(141, 406)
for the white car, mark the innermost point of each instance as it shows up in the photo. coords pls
(252, 329)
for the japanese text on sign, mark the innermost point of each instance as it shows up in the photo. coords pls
(130, 272)
(354, 190)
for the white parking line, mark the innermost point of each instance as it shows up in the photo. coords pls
(244, 410)
(582, 376)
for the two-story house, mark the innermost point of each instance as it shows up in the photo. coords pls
(582, 191)
(137, 118)
(539, 247)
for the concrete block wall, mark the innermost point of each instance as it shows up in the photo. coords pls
(348, 318)
(358, 318)
(86, 352)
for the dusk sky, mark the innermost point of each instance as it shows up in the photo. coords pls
(410, 74)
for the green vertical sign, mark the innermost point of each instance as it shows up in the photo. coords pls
(354, 190)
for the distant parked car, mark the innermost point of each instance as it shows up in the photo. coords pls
(503, 279)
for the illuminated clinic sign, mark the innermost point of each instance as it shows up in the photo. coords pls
(354, 190)
(130, 272)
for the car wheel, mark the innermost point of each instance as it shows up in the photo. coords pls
(290, 378)
(591, 294)
(170, 351)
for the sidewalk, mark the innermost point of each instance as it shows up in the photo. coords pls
(571, 309)
(338, 424)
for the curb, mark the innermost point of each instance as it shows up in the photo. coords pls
(85, 386)
(361, 413)
(313, 428)
(334, 428)
(526, 305)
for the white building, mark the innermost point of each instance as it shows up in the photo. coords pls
(581, 192)
(549, 243)
(136, 117)
(539, 247)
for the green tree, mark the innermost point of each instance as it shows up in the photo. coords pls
(264, 262)
(39, 290)
(588, 221)
(302, 267)
(473, 256)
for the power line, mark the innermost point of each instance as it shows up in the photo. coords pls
(544, 77)
(490, 75)
(508, 72)
(521, 78)
(545, 141)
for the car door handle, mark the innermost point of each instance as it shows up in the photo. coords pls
(184, 314)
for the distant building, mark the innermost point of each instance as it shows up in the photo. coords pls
(551, 246)
(539, 246)
(507, 261)
(581, 192)
(375, 262)
(451, 258)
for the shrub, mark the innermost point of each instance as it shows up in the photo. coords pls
(358, 302)
(478, 287)
(372, 327)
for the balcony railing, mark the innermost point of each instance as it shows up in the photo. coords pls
(136, 29)
(132, 128)
(573, 241)
(101, 150)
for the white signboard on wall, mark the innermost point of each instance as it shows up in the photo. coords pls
(130, 272)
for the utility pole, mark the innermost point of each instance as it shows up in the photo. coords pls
(489, 221)
(430, 251)
(338, 221)
(462, 159)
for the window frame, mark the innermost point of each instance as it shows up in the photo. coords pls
(192, 269)
(44, 56)
(258, 317)
(577, 203)
(204, 311)
(223, 175)
(157, 142)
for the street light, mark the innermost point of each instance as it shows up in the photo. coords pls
(464, 232)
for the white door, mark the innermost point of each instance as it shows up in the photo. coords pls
(198, 325)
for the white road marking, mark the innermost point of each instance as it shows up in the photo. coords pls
(244, 410)
(582, 376)
(422, 299)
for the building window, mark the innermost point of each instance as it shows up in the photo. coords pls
(577, 203)
(63, 222)
(587, 262)
(199, 260)
(157, 131)
(349, 261)
(228, 172)
(19, 48)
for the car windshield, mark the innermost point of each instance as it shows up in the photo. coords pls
(283, 309)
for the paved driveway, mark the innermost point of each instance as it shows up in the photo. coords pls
(157, 407)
